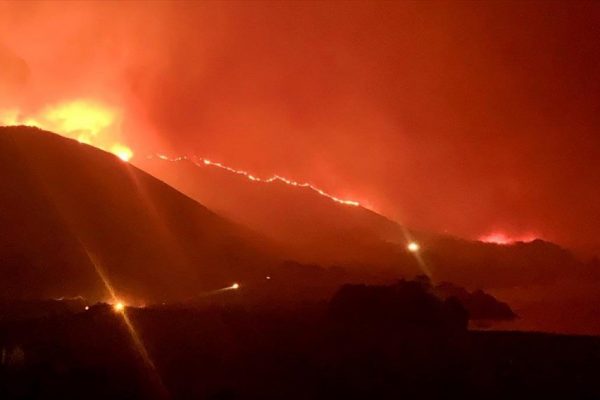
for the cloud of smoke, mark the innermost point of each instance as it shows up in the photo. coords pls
(449, 117)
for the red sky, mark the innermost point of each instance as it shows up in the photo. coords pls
(470, 118)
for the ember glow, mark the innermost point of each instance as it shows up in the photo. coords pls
(505, 239)
(123, 152)
(86, 121)
(200, 161)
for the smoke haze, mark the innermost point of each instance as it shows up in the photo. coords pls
(468, 118)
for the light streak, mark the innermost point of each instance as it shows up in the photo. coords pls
(67, 298)
(119, 307)
(200, 161)
(234, 286)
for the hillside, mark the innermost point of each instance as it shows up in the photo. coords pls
(314, 228)
(70, 213)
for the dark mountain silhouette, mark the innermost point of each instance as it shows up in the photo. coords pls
(415, 304)
(70, 213)
(396, 308)
(480, 305)
(488, 265)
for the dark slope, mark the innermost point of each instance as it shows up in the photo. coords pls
(65, 205)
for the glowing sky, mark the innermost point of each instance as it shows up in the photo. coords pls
(85, 121)
(474, 118)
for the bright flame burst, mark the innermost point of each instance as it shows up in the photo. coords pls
(123, 152)
(199, 161)
(85, 121)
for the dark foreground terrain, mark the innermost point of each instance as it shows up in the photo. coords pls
(294, 352)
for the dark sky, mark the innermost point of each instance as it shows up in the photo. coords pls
(469, 118)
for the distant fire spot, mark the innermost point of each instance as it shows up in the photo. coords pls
(504, 239)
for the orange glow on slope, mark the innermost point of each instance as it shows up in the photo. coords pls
(123, 152)
(85, 121)
(504, 239)
(199, 161)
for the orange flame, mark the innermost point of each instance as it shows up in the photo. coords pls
(123, 152)
(85, 121)
(200, 161)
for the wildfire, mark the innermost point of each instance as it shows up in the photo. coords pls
(96, 124)
(79, 118)
(504, 239)
(85, 121)
(200, 161)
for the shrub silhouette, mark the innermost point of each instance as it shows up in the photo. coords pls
(397, 307)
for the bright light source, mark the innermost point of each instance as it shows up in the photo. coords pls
(124, 156)
(235, 286)
(413, 247)
(268, 277)
(119, 307)
(87, 308)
